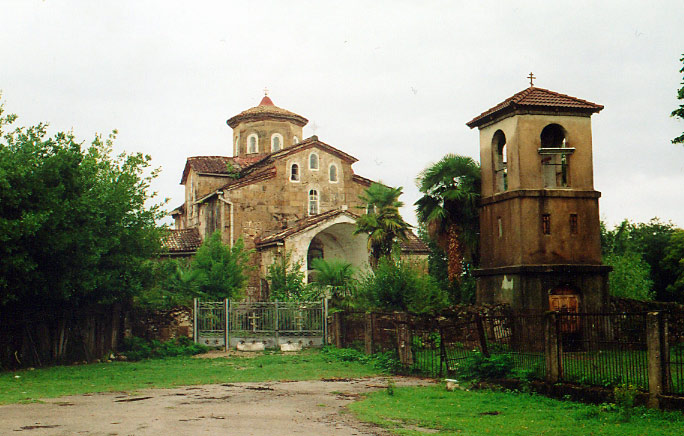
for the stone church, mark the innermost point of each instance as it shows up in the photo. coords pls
(280, 193)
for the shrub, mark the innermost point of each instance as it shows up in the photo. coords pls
(135, 348)
(480, 367)
(387, 361)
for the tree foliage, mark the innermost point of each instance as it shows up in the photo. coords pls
(74, 225)
(286, 280)
(336, 278)
(641, 247)
(679, 112)
(382, 223)
(401, 285)
(449, 211)
(221, 271)
(673, 265)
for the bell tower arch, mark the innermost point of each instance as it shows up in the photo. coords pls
(539, 216)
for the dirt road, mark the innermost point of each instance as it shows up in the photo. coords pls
(269, 408)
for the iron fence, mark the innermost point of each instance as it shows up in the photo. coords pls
(675, 356)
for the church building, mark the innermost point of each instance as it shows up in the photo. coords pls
(280, 193)
(539, 216)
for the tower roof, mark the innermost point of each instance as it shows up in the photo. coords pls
(266, 111)
(534, 98)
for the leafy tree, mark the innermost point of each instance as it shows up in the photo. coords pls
(401, 285)
(673, 264)
(679, 112)
(287, 281)
(336, 277)
(75, 228)
(448, 209)
(175, 285)
(382, 223)
(221, 271)
(630, 277)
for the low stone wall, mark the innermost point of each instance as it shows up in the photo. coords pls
(162, 325)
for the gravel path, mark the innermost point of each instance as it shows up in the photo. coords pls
(269, 408)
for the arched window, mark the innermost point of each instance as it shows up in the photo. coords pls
(313, 161)
(500, 163)
(295, 140)
(253, 143)
(554, 157)
(276, 142)
(237, 145)
(313, 202)
(294, 172)
(333, 173)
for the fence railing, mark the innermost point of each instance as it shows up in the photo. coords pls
(645, 350)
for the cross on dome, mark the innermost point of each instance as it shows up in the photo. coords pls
(531, 77)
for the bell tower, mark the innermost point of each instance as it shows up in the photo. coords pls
(540, 243)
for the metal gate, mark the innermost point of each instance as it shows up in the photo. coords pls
(260, 324)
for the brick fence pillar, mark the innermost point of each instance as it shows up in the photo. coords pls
(368, 331)
(552, 348)
(658, 357)
(404, 340)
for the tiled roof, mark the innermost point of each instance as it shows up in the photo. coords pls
(266, 110)
(216, 164)
(181, 241)
(179, 210)
(299, 226)
(362, 180)
(535, 98)
(413, 244)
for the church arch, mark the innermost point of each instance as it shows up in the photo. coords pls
(313, 161)
(276, 142)
(252, 143)
(500, 162)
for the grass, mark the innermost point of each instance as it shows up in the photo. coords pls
(31, 385)
(413, 410)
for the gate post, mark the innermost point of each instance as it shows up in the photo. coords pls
(404, 339)
(276, 324)
(658, 361)
(552, 348)
(195, 302)
(226, 336)
(368, 333)
(324, 317)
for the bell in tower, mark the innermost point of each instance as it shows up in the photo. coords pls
(539, 216)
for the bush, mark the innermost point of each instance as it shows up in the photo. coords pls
(135, 348)
(387, 361)
(480, 367)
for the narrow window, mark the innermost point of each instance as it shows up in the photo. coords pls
(573, 224)
(295, 140)
(252, 144)
(237, 144)
(294, 173)
(500, 225)
(313, 202)
(313, 161)
(276, 142)
(546, 224)
(333, 173)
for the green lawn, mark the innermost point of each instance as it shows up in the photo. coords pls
(30, 385)
(410, 411)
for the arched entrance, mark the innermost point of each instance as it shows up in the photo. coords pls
(337, 242)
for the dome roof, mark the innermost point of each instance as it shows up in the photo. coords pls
(266, 111)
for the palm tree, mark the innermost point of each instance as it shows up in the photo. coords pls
(337, 277)
(449, 209)
(382, 222)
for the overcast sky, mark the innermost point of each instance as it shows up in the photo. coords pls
(391, 83)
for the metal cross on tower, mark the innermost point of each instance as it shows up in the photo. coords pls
(531, 77)
(265, 91)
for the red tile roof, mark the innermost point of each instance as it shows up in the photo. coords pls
(216, 164)
(413, 244)
(299, 226)
(535, 98)
(266, 111)
(181, 241)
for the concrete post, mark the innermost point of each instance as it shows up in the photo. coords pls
(481, 335)
(404, 340)
(656, 343)
(368, 333)
(337, 329)
(552, 348)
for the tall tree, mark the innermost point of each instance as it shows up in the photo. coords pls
(449, 211)
(673, 263)
(221, 270)
(679, 112)
(382, 222)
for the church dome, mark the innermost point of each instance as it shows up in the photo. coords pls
(266, 111)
